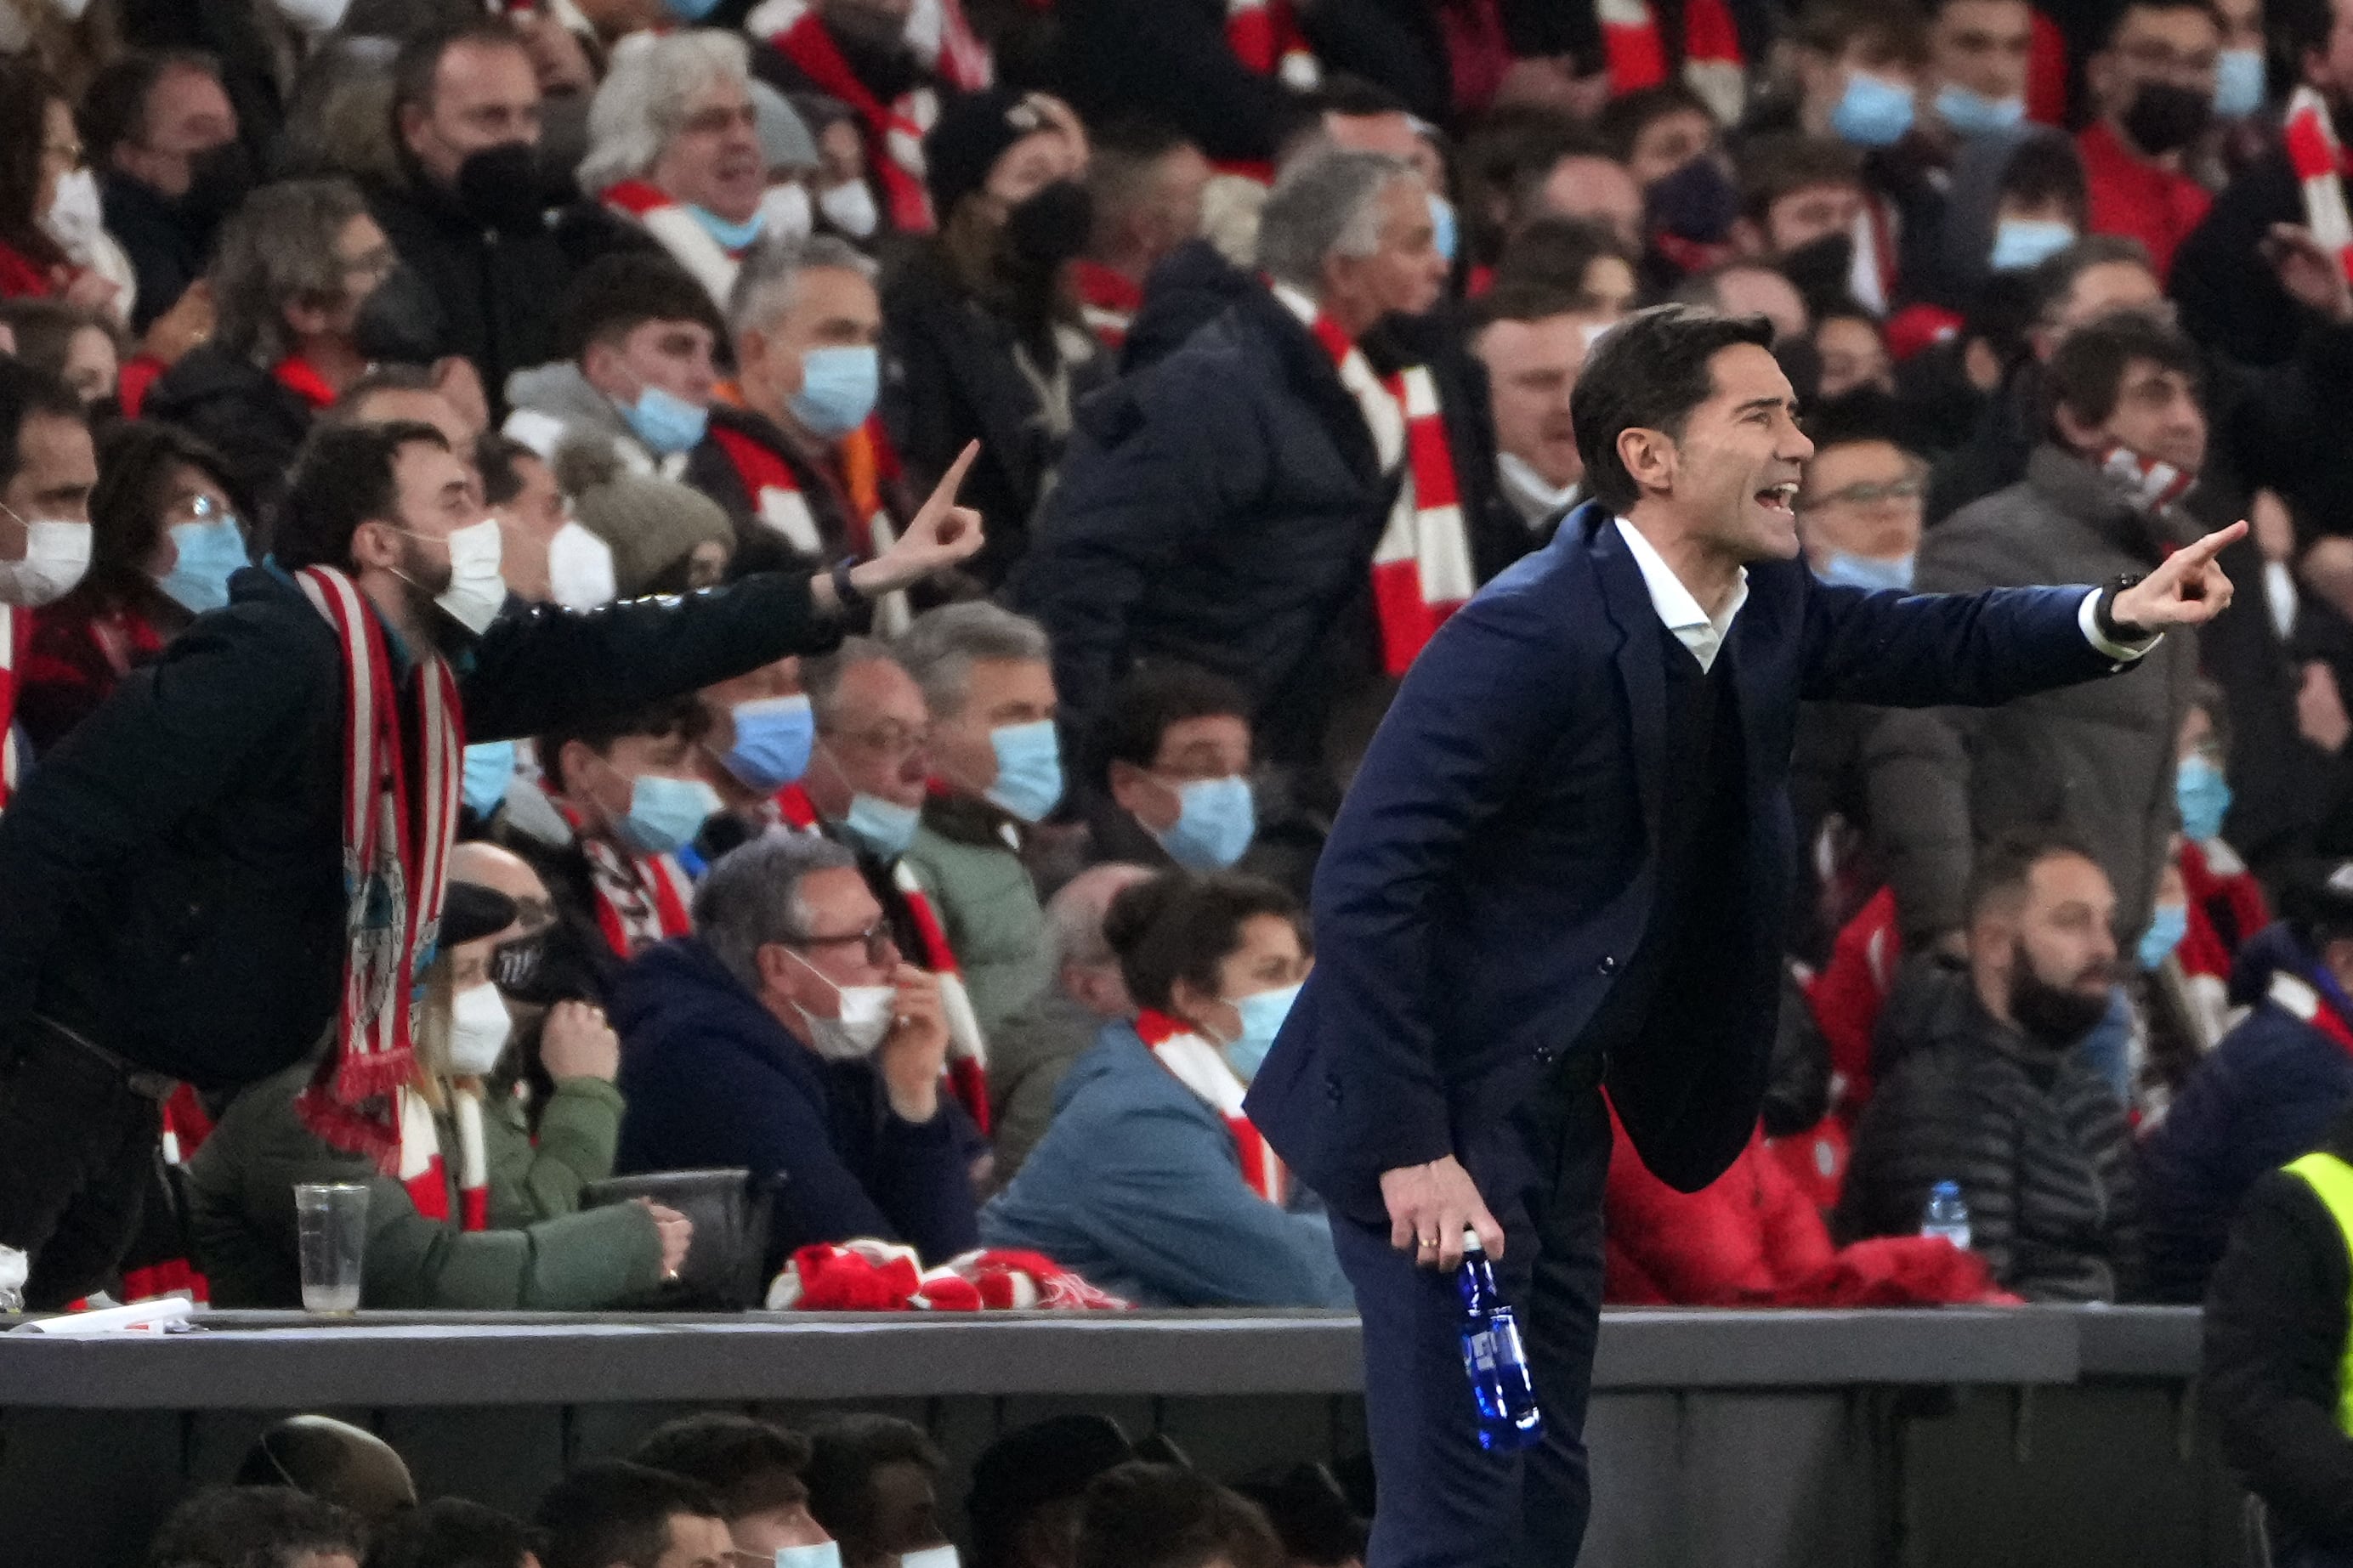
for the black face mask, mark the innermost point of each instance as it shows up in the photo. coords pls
(2054, 1015)
(2166, 117)
(1698, 202)
(543, 968)
(400, 322)
(499, 187)
(1051, 227)
(1822, 269)
(219, 179)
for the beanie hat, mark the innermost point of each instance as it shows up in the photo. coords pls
(971, 134)
(784, 139)
(652, 524)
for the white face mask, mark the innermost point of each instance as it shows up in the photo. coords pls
(1521, 480)
(57, 555)
(785, 211)
(849, 207)
(580, 568)
(476, 592)
(478, 1026)
(75, 218)
(313, 15)
(865, 1019)
(824, 1554)
(931, 1557)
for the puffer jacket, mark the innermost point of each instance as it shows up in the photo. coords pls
(2095, 761)
(2036, 1138)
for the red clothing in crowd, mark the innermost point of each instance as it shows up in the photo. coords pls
(22, 277)
(1749, 1233)
(2138, 199)
(81, 647)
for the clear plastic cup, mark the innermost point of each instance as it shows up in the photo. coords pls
(330, 1219)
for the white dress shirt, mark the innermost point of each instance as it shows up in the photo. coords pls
(1703, 634)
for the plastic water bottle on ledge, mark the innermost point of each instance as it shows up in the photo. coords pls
(1493, 1357)
(1947, 1215)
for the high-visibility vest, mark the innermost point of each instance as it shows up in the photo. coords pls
(2331, 1180)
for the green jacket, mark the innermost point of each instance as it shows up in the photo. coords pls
(241, 1213)
(987, 904)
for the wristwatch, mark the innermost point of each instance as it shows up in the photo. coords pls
(2103, 611)
(845, 592)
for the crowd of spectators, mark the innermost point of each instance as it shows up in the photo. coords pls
(1248, 329)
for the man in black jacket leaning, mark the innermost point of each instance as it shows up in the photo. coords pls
(174, 906)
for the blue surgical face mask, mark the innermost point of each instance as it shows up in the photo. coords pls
(838, 386)
(2203, 796)
(210, 552)
(1262, 1017)
(1872, 111)
(1029, 769)
(772, 740)
(489, 768)
(2168, 925)
(1866, 571)
(1215, 820)
(1450, 231)
(665, 421)
(2019, 243)
(2238, 83)
(665, 814)
(1974, 114)
(730, 235)
(824, 1554)
(689, 10)
(885, 826)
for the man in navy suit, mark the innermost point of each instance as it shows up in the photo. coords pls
(1564, 863)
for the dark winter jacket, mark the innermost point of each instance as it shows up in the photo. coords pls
(2265, 1094)
(175, 867)
(168, 248)
(2036, 1140)
(252, 419)
(711, 1079)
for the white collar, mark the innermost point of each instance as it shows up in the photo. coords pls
(1677, 609)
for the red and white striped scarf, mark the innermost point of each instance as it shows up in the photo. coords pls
(1264, 36)
(424, 1173)
(640, 899)
(1421, 567)
(778, 500)
(894, 132)
(1200, 1067)
(675, 229)
(2314, 151)
(1110, 300)
(958, 56)
(12, 634)
(1713, 66)
(397, 841)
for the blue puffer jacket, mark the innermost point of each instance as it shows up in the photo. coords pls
(1136, 1185)
(2263, 1097)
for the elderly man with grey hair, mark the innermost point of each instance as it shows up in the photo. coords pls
(997, 766)
(1224, 510)
(789, 1037)
(674, 156)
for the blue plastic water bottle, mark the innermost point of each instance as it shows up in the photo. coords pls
(1493, 1357)
(1947, 1215)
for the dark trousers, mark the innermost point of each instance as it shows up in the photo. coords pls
(1444, 1501)
(77, 1147)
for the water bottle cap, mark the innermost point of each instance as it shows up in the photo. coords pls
(1470, 1241)
(1941, 1188)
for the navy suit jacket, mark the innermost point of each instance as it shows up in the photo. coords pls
(1493, 866)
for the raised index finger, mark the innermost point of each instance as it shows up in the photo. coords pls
(944, 492)
(2206, 548)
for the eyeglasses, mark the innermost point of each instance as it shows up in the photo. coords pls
(880, 946)
(72, 154)
(887, 739)
(1869, 495)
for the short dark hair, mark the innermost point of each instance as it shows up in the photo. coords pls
(2055, 278)
(47, 328)
(845, 1453)
(2297, 29)
(683, 716)
(417, 67)
(2001, 867)
(1864, 414)
(114, 106)
(1309, 1512)
(136, 460)
(751, 1467)
(614, 1512)
(380, 378)
(1157, 696)
(1648, 372)
(1181, 925)
(451, 1533)
(2205, 9)
(25, 392)
(499, 459)
(1497, 158)
(2086, 371)
(1889, 32)
(1623, 119)
(1558, 253)
(346, 475)
(1772, 167)
(2047, 168)
(1354, 98)
(1524, 301)
(615, 295)
(1147, 1515)
(253, 1526)
(1122, 156)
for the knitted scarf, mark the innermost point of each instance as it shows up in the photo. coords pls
(426, 1174)
(1201, 1068)
(1421, 567)
(778, 503)
(894, 132)
(2150, 484)
(1264, 36)
(640, 899)
(675, 228)
(399, 821)
(2314, 153)
(1636, 52)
